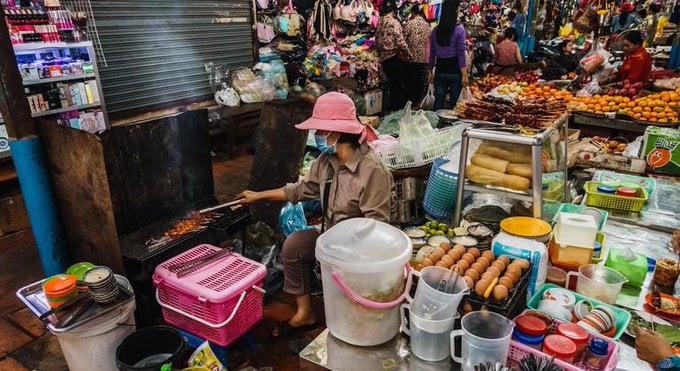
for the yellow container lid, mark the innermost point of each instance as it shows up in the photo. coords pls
(524, 226)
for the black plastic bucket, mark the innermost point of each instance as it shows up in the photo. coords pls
(150, 348)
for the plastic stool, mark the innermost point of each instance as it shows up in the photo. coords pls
(222, 352)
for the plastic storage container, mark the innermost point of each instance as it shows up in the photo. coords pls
(622, 316)
(219, 302)
(607, 201)
(576, 230)
(362, 267)
(560, 347)
(521, 248)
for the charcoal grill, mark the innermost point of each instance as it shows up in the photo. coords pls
(140, 260)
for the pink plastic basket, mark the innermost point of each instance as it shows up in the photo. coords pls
(218, 303)
(518, 351)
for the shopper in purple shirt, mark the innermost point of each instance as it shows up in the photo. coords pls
(447, 56)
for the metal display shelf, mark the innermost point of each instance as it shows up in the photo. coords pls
(535, 194)
(65, 109)
(56, 45)
(59, 79)
(28, 48)
(611, 122)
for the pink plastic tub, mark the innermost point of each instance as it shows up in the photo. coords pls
(518, 351)
(218, 303)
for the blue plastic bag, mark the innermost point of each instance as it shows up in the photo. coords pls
(292, 217)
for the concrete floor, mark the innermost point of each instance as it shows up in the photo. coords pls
(25, 344)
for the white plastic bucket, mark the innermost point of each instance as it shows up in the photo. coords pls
(362, 265)
(92, 346)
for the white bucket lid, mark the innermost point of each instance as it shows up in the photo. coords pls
(364, 245)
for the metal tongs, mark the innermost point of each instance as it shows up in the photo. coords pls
(192, 266)
(228, 204)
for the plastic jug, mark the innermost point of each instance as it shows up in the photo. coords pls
(598, 282)
(632, 265)
(485, 338)
(431, 300)
(363, 265)
(429, 338)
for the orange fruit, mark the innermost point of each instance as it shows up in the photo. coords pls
(658, 109)
(626, 99)
(642, 103)
(646, 114)
(647, 109)
(653, 119)
(618, 99)
(546, 88)
(663, 120)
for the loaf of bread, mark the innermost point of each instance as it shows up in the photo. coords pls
(516, 154)
(490, 162)
(487, 176)
(523, 170)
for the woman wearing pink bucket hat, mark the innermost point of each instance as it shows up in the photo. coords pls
(350, 180)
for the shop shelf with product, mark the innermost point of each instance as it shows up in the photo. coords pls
(61, 78)
(529, 167)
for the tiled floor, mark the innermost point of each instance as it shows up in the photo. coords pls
(25, 344)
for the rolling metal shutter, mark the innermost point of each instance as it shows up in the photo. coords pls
(156, 50)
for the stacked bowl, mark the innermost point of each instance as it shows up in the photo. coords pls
(60, 289)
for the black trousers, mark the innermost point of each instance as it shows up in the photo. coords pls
(416, 81)
(395, 69)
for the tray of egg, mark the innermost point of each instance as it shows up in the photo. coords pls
(496, 283)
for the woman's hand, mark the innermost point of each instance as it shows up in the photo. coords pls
(430, 77)
(652, 347)
(465, 80)
(248, 197)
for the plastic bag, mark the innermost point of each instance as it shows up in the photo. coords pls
(206, 358)
(595, 58)
(465, 96)
(428, 100)
(590, 89)
(292, 218)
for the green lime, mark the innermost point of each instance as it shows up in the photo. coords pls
(434, 225)
(451, 234)
(427, 236)
(439, 233)
(443, 227)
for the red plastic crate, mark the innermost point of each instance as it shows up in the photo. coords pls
(218, 303)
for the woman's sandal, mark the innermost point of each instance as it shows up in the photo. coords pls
(284, 329)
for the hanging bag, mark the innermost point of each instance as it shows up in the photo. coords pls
(586, 20)
(265, 30)
(428, 100)
(319, 27)
(289, 21)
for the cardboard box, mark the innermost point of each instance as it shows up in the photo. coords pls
(374, 101)
(13, 216)
(661, 148)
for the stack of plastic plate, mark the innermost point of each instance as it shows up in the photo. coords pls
(440, 194)
(79, 270)
(102, 284)
(60, 289)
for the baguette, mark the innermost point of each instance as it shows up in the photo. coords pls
(486, 176)
(523, 170)
(490, 162)
(504, 154)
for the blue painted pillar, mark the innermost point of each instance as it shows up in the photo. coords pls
(29, 161)
(31, 168)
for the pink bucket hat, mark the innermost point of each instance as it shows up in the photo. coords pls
(336, 112)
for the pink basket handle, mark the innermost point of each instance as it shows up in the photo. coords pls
(201, 320)
(369, 303)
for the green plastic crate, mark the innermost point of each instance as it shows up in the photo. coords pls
(622, 317)
(609, 201)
